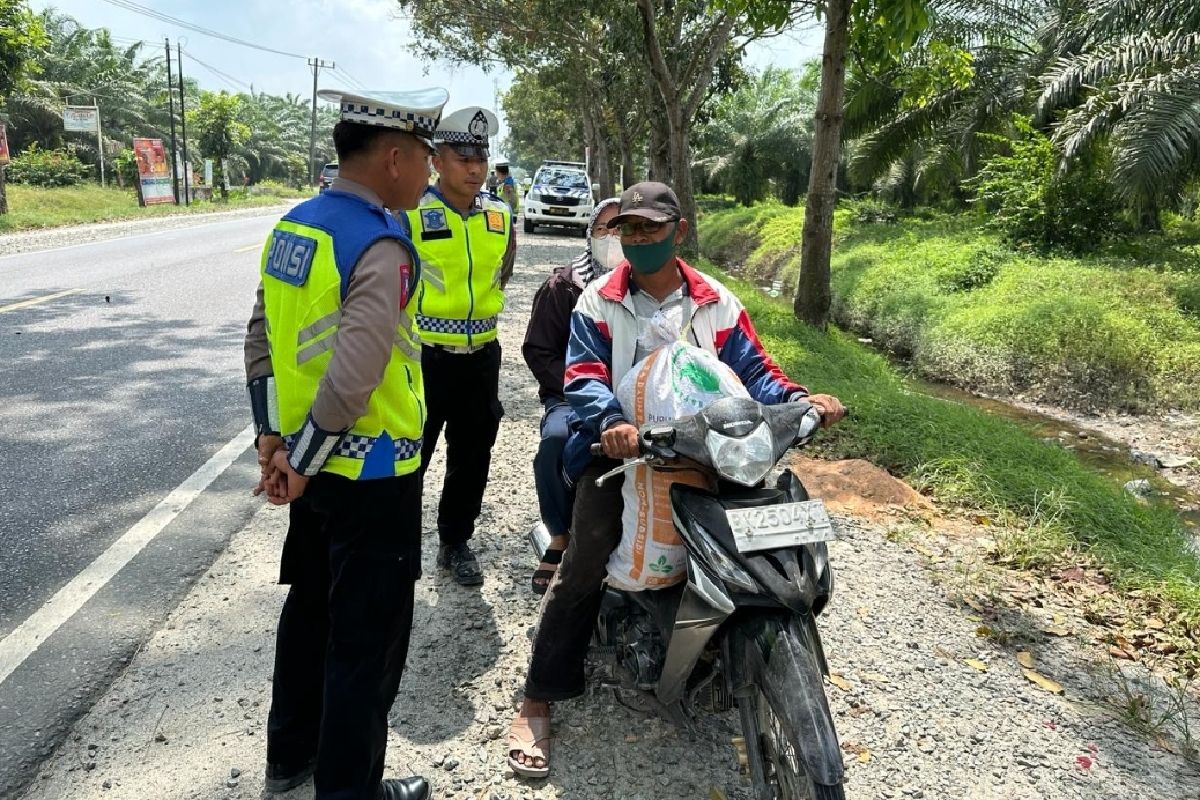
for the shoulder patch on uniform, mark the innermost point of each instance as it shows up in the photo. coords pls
(433, 219)
(290, 257)
(495, 221)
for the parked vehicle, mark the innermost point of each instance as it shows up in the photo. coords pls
(560, 196)
(328, 173)
(741, 632)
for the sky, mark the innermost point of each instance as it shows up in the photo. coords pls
(365, 38)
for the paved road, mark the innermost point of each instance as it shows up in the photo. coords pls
(120, 377)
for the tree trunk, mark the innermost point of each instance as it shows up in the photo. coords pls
(628, 174)
(681, 175)
(602, 158)
(660, 168)
(3, 191)
(813, 294)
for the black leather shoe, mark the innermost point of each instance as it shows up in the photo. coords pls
(414, 788)
(285, 777)
(461, 561)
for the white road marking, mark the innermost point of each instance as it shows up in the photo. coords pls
(248, 248)
(35, 301)
(29, 635)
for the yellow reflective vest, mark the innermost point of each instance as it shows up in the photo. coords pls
(306, 268)
(459, 300)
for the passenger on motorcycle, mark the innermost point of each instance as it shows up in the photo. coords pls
(545, 351)
(614, 325)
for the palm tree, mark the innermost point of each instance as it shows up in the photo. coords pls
(1133, 85)
(975, 66)
(762, 131)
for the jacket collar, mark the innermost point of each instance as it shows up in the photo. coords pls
(700, 290)
(476, 204)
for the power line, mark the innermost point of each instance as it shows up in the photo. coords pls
(350, 79)
(225, 76)
(129, 5)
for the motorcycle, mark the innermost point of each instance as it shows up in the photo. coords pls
(741, 632)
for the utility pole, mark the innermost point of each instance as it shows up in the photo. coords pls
(317, 65)
(187, 165)
(99, 140)
(174, 144)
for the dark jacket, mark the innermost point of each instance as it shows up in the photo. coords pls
(549, 331)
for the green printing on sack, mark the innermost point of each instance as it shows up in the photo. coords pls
(662, 565)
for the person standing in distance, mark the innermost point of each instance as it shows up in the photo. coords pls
(467, 245)
(335, 384)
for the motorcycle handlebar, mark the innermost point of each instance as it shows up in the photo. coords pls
(597, 449)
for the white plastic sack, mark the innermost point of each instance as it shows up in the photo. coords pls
(675, 381)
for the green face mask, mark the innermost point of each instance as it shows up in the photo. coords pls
(650, 258)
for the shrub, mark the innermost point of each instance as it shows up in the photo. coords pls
(1031, 204)
(38, 167)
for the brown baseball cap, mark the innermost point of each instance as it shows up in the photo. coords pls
(649, 200)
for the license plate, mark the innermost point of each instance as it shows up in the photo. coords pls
(783, 525)
(561, 212)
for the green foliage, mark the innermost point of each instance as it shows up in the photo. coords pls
(125, 167)
(970, 458)
(1032, 204)
(219, 130)
(1131, 83)
(539, 127)
(297, 170)
(943, 67)
(1107, 331)
(37, 167)
(758, 139)
(22, 36)
(882, 30)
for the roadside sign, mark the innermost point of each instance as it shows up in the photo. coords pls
(208, 171)
(3, 145)
(154, 173)
(81, 119)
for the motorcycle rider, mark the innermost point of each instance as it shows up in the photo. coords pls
(545, 351)
(610, 332)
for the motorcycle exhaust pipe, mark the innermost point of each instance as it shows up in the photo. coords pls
(539, 539)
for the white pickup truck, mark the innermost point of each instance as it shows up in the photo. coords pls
(560, 195)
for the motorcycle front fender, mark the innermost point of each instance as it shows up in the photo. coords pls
(792, 682)
(703, 608)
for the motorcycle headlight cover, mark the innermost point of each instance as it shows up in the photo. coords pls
(747, 460)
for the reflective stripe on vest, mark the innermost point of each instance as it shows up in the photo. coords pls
(460, 300)
(303, 297)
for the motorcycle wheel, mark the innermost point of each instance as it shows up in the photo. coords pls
(778, 758)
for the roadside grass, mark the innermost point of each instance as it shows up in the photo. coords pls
(968, 458)
(33, 207)
(1120, 329)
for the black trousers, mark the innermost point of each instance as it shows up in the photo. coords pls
(352, 556)
(573, 599)
(462, 396)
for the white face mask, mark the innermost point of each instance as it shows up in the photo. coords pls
(607, 252)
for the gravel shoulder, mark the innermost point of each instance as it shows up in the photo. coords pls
(30, 241)
(187, 718)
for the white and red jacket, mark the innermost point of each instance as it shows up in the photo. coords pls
(604, 332)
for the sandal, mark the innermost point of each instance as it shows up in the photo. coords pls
(525, 736)
(542, 577)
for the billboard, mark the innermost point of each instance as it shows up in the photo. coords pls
(154, 172)
(81, 119)
(3, 145)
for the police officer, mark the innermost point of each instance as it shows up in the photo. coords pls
(467, 245)
(335, 383)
